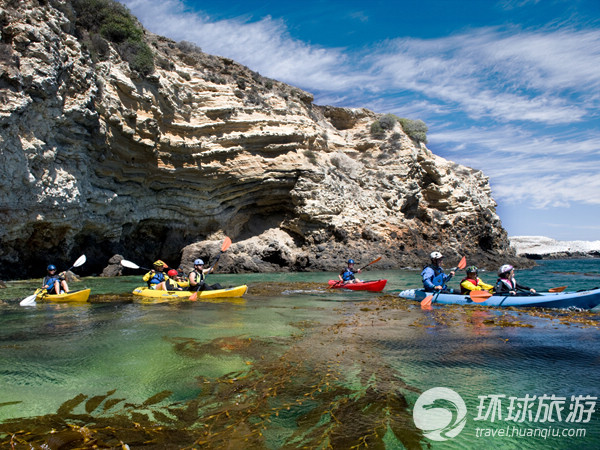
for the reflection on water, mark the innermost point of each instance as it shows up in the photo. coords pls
(294, 365)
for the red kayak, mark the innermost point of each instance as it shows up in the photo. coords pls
(373, 286)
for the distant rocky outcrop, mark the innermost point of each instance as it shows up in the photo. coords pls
(101, 159)
(540, 247)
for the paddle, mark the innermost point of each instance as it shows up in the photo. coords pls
(131, 265)
(372, 262)
(366, 265)
(557, 289)
(479, 296)
(224, 247)
(461, 265)
(80, 262)
(336, 284)
(429, 299)
(29, 301)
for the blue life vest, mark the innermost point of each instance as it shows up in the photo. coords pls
(158, 277)
(348, 274)
(437, 278)
(50, 280)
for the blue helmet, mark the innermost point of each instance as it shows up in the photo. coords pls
(51, 267)
(350, 261)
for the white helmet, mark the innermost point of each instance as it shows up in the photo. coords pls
(505, 268)
(436, 255)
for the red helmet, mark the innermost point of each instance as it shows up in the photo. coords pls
(172, 273)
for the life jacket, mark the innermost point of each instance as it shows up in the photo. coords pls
(199, 279)
(506, 284)
(50, 280)
(347, 274)
(157, 278)
(464, 290)
(438, 275)
(172, 285)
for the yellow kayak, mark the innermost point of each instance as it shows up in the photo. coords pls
(73, 296)
(147, 293)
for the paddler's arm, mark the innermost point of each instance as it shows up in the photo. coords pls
(148, 276)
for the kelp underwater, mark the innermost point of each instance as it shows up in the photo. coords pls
(326, 386)
(318, 389)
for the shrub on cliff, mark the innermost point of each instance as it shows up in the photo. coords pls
(415, 129)
(110, 20)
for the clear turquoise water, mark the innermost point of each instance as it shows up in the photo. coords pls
(51, 353)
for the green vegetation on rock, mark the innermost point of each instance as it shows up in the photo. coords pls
(415, 129)
(102, 21)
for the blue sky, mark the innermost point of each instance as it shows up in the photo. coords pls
(510, 87)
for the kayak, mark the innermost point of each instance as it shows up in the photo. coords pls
(233, 292)
(73, 296)
(586, 299)
(373, 286)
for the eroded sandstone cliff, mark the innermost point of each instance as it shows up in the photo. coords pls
(98, 159)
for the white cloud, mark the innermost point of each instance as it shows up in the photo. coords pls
(509, 82)
(506, 75)
(263, 45)
(547, 171)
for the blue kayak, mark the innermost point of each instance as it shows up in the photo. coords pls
(580, 299)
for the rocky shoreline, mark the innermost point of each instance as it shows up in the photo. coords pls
(540, 247)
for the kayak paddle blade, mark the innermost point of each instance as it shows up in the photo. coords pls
(80, 261)
(557, 289)
(426, 302)
(479, 296)
(226, 244)
(28, 301)
(129, 264)
(462, 263)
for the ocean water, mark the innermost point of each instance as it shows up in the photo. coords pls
(295, 364)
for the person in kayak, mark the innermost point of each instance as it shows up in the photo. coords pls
(347, 275)
(197, 277)
(473, 283)
(181, 276)
(434, 278)
(171, 283)
(507, 284)
(54, 283)
(156, 277)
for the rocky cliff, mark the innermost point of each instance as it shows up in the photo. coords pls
(98, 158)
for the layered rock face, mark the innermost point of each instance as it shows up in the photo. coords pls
(100, 160)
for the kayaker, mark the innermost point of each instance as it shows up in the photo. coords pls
(181, 274)
(171, 284)
(54, 283)
(507, 284)
(347, 275)
(434, 278)
(197, 277)
(473, 283)
(156, 277)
